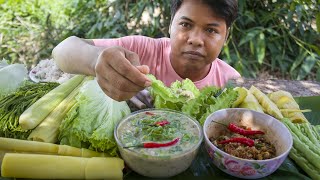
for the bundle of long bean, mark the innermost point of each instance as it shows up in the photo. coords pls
(13, 105)
(305, 150)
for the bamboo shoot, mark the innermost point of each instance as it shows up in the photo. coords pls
(36, 166)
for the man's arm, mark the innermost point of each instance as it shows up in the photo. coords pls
(117, 70)
(77, 56)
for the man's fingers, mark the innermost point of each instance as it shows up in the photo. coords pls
(120, 74)
(132, 57)
(143, 69)
(135, 61)
(119, 82)
(133, 74)
(114, 93)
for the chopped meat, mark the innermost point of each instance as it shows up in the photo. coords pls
(260, 151)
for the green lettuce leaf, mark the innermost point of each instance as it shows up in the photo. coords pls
(185, 97)
(196, 107)
(90, 123)
(172, 97)
(224, 100)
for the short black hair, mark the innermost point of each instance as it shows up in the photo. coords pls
(226, 9)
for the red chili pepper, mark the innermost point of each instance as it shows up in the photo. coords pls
(157, 145)
(234, 128)
(245, 141)
(162, 123)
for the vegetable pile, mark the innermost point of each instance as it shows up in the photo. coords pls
(306, 145)
(90, 122)
(76, 118)
(77, 110)
(185, 97)
(13, 105)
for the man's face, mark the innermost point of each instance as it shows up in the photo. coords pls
(197, 36)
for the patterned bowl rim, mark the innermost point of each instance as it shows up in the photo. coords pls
(283, 127)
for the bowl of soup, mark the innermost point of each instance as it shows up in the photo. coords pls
(158, 143)
(246, 144)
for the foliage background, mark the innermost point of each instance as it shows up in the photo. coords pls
(277, 37)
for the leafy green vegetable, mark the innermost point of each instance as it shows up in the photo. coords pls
(11, 77)
(224, 100)
(91, 121)
(172, 97)
(184, 96)
(197, 107)
(13, 105)
(149, 132)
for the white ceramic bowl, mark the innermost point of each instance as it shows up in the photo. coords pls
(275, 132)
(163, 165)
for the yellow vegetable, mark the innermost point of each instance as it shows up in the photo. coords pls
(288, 106)
(90, 153)
(283, 99)
(38, 166)
(38, 111)
(18, 145)
(242, 94)
(250, 102)
(22, 146)
(268, 106)
(102, 168)
(48, 129)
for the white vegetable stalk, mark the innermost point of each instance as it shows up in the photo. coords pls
(38, 111)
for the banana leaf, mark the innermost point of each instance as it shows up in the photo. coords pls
(203, 168)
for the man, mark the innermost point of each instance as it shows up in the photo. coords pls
(198, 31)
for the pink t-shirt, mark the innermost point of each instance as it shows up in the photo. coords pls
(155, 54)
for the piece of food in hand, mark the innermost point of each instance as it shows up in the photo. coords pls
(172, 97)
(268, 106)
(250, 102)
(288, 106)
(39, 166)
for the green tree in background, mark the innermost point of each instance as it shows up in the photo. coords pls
(275, 36)
(278, 36)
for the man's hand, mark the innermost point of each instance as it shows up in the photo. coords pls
(120, 74)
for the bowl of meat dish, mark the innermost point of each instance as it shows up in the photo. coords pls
(158, 143)
(245, 143)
